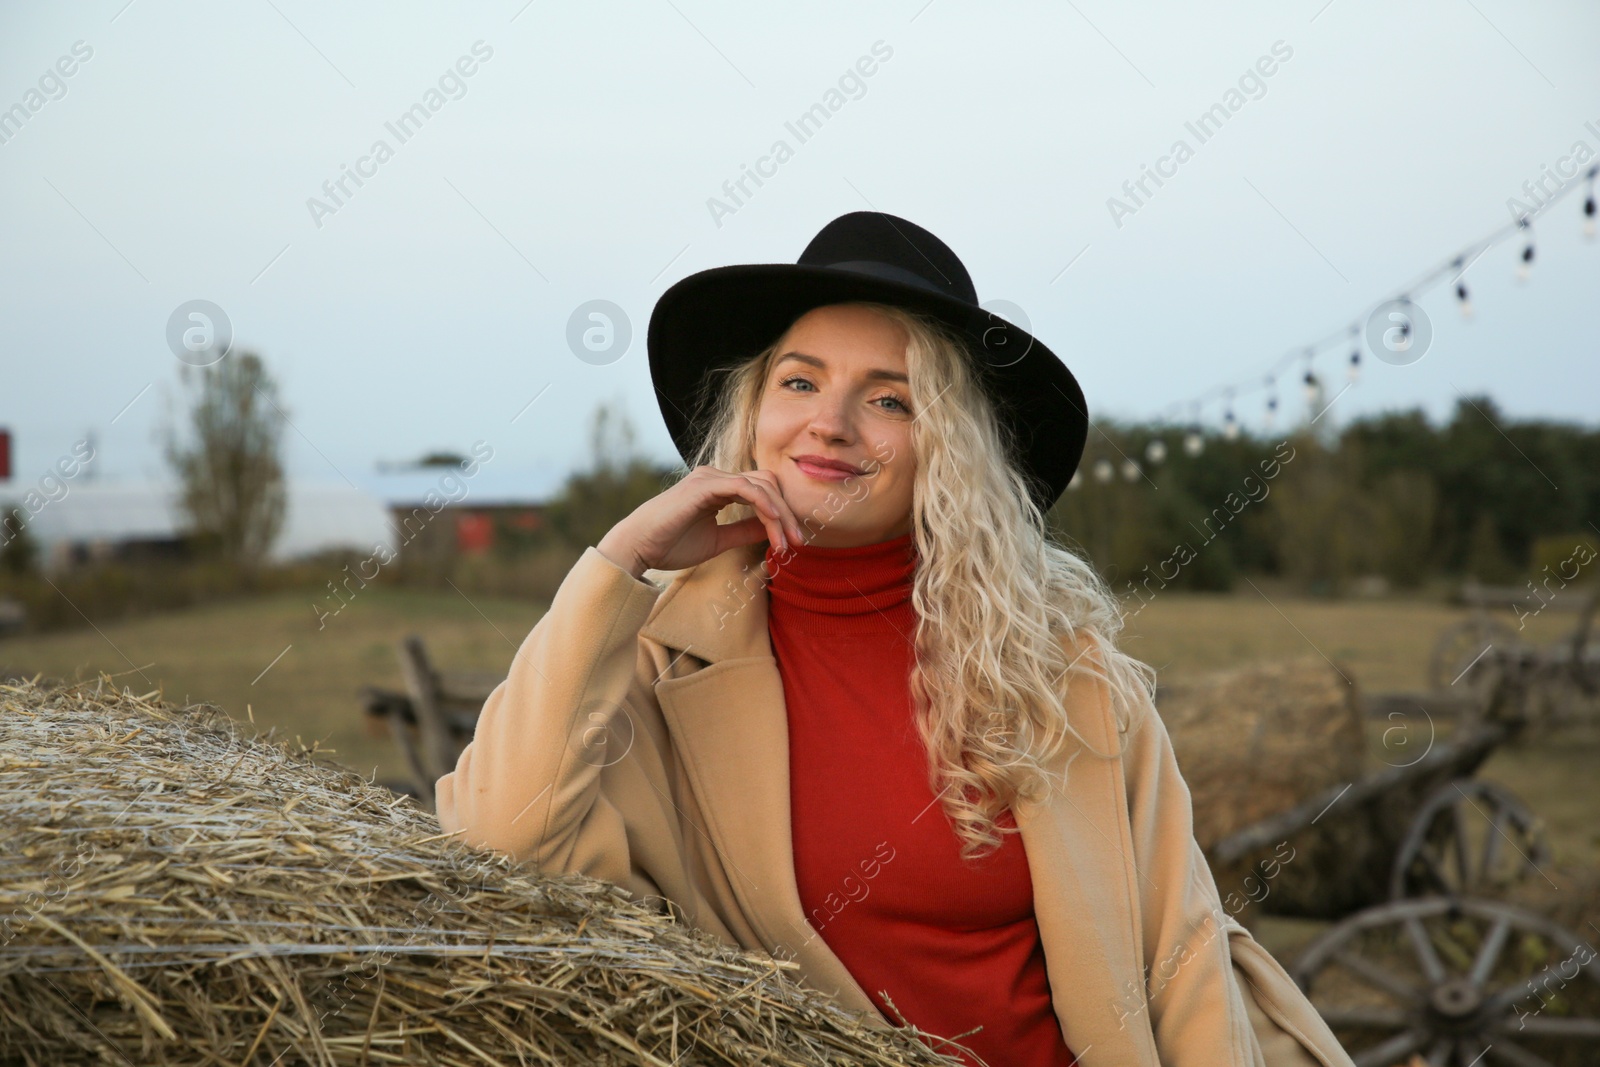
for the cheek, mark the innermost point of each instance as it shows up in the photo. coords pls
(768, 432)
(899, 460)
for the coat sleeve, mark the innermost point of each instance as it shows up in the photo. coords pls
(567, 716)
(1195, 990)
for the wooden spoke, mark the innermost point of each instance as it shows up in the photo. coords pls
(1386, 1054)
(1427, 955)
(1463, 846)
(1489, 952)
(1551, 1026)
(1461, 839)
(1465, 1002)
(1368, 1018)
(1491, 845)
(1377, 976)
(1436, 868)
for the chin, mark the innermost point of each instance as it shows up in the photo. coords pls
(832, 511)
(830, 524)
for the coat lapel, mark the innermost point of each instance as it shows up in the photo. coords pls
(729, 723)
(730, 726)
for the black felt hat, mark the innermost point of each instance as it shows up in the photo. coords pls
(727, 314)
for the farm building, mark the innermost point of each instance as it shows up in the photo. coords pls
(463, 529)
(142, 521)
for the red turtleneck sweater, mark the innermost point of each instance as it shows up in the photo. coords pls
(954, 944)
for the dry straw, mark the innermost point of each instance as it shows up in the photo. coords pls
(172, 892)
(1256, 741)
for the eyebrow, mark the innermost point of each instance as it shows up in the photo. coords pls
(876, 374)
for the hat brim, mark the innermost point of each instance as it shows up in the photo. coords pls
(723, 315)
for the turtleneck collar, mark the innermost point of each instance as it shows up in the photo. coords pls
(859, 580)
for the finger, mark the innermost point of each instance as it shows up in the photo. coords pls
(796, 531)
(752, 493)
(743, 532)
(780, 507)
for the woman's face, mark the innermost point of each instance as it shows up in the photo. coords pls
(838, 390)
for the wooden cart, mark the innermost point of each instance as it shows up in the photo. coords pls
(431, 720)
(1431, 966)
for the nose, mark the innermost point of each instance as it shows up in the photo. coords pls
(830, 419)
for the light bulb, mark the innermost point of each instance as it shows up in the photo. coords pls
(1524, 267)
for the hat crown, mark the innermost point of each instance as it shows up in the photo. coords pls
(894, 249)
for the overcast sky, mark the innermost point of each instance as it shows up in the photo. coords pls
(185, 155)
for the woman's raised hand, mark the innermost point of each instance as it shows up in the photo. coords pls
(679, 528)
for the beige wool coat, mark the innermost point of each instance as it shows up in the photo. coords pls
(640, 737)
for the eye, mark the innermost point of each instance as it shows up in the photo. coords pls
(792, 378)
(904, 407)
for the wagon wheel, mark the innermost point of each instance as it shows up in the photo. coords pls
(1470, 838)
(1456, 982)
(1464, 652)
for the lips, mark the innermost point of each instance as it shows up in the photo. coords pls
(825, 466)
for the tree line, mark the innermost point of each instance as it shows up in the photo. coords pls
(1391, 496)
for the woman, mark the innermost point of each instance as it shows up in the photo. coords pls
(837, 727)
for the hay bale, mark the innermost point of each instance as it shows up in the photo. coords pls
(1257, 740)
(174, 893)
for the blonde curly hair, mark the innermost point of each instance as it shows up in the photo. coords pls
(993, 596)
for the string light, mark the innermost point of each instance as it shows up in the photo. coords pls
(1311, 382)
(1588, 206)
(1526, 265)
(1404, 344)
(1194, 437)
(1451, 270)
(1461, 289)
(1194, 442)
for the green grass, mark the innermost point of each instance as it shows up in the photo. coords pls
(224, 654)
(1386, 643)
(221, 654)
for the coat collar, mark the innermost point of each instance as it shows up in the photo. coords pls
(716, 611)
(729, 724)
